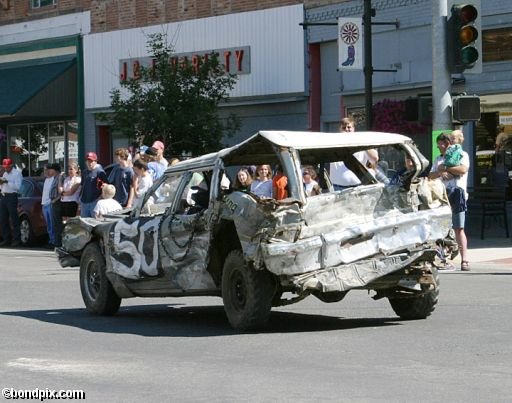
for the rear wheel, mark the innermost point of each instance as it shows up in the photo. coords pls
(97, 292)
(417, 307)
(26, 232)
(247, 294)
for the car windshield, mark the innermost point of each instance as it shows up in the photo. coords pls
(161, 195)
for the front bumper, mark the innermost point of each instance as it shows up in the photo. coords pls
(359, 274)
(66, 259)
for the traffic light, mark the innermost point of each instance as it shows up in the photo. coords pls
(464, 39)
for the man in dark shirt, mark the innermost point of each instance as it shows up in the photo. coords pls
(93, 178)
(121, 176)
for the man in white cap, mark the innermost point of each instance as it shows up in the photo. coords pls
(10, 184)
(159, 146)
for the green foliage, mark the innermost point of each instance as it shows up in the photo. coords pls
(175, 102)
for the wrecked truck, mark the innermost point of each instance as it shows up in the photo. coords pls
(195, 234)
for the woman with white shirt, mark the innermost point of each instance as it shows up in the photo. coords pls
(70, 191)
(262, 185)
(142, 182)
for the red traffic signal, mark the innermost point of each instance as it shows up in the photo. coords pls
(467, 12)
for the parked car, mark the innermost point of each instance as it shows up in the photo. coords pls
(32, 223)
(195, 234)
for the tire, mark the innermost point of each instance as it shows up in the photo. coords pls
(247, 294)
(26, 232)
(419, 307)
(97, 292)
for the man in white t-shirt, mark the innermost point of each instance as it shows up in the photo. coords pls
(340, 175)
(453, 178)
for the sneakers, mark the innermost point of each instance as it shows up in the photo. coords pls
(15, 243)
(447, 267)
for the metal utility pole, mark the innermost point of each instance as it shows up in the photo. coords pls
(441, 77)
(368, 64)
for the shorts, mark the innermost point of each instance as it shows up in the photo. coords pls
(458, 219)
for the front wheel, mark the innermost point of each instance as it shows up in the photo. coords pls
(247, 294)
(97, 292)
(26, 232)
(417, 307)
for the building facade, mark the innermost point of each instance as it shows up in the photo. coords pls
(265, 48)
(289, 80)
(93, 37)
(407, 49)
(40, 83)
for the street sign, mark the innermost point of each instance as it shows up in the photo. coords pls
(350, 44)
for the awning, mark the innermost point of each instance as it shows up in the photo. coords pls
(38, 89)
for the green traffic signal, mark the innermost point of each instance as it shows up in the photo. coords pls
(468, 56)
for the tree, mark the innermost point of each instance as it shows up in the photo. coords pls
(175, 101)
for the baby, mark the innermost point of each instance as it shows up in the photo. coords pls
(453, 154)
(106, 204)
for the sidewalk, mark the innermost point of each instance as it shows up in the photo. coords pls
(490, 249)
(496, 247)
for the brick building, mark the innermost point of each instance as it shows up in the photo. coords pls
(61, 58)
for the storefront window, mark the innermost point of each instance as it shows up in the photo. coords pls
(38, 147)
(3, 142)
(497, 44)
(56, 143)
(72, 130)
(18, 146)
(35, 145)
(42, 3)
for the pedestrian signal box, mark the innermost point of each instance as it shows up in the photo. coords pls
(466, 108)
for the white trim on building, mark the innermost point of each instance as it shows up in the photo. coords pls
(275, 38)
(46, 28)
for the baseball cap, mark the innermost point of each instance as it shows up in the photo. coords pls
(158, 145)
(7, 162)
(91, 156)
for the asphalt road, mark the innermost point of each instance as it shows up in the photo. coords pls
(183, 350)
